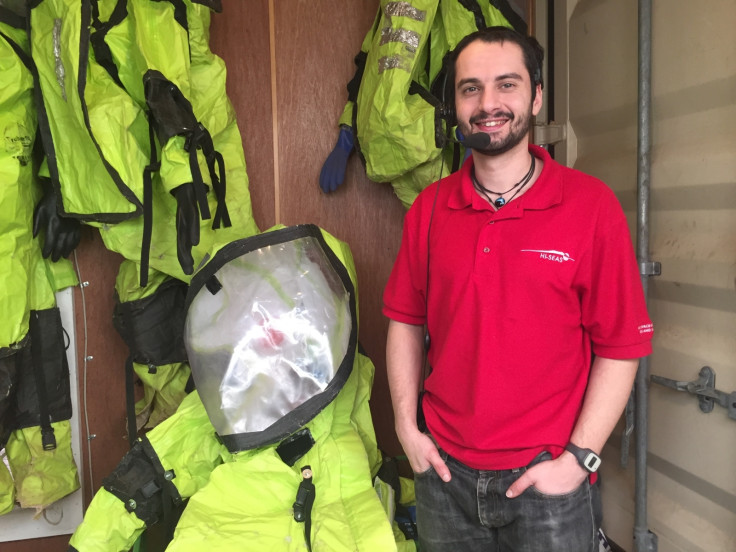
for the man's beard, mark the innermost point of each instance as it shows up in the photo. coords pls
(518, 131)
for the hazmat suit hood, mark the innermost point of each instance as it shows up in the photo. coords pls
(270, 333)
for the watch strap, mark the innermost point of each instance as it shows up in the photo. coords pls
(587, 459)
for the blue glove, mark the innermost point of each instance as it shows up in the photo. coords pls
(333, 170)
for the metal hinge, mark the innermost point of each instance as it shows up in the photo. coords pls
(550, 133)
(650, 268)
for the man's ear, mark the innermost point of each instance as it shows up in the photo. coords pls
(537, 103)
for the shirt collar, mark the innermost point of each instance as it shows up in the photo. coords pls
(546, 192)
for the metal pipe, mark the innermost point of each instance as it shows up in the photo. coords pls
(644, 540)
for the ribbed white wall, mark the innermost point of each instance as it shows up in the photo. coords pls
(692, 475)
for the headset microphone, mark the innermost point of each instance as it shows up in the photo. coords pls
(478, 140)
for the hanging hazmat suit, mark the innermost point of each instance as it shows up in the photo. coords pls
(394, 116)
(136, 104)
(275, 450)
(35, 400)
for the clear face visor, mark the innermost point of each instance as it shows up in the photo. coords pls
(271, 339)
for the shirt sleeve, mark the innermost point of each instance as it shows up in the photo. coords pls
(614, 311)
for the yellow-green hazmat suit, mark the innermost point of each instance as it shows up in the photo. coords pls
(394, 102)
(253, 477)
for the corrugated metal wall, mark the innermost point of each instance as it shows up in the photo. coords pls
(692, 472)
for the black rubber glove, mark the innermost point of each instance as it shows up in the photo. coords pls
(62, 234)
(187, 225)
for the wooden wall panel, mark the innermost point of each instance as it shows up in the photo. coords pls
(106, 369)
(315, 46)
(49, 544)
(240, 36)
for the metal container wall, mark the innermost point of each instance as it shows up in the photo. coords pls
(692, 232)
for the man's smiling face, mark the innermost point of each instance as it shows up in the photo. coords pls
(493, 94)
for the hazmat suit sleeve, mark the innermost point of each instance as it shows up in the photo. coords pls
(333, 170)
(186, 446)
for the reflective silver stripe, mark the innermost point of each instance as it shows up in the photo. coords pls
(393, 62)
(410, 38)
(404, 9)
(59, 69)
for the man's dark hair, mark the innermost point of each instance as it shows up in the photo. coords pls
(531, 49)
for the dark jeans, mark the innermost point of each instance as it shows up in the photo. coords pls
(472, 514)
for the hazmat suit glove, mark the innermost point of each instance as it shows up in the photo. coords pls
(333, 171)
(187, 225)
(62, 234)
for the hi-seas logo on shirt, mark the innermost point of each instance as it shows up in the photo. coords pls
(551, 255)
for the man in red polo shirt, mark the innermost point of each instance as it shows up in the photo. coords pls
(524, 274)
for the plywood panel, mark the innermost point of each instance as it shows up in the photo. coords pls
(50, 544)
(240, 36)
(105, 397)
(315, 46)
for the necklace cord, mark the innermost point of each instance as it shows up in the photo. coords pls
(500, 201)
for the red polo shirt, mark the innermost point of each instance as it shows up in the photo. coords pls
(515, 302)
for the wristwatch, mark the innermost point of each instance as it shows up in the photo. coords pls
(587, 459)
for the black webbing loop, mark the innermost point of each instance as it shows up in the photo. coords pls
(303, 505)
(219, 183)
(473, 7)
(103, 55)
(193, 143)
(48, 440)
(130, 401)
(201, 139)
(455, 157)
(152, 167)
(353, 86)
(11, 18)
(214, 5)
(439, 138)
(180, 13)
(517, 22)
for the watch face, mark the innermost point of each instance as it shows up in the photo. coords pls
(592, 462)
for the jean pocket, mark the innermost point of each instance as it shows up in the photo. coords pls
(425, 473)
(580, 489)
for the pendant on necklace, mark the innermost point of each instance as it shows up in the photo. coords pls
(500, 202)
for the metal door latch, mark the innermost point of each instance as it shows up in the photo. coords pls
(705, 389)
